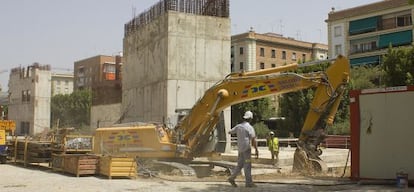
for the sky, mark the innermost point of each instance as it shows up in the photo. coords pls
(60, 32)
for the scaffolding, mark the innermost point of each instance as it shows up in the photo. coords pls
(216, 8)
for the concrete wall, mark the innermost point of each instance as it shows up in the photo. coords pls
(170, 62)
(19, 111)
(36, 111)
(105, 115)
(41, 101)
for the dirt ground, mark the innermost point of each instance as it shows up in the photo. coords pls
(16, 178)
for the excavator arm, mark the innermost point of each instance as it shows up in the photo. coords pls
(195, 129)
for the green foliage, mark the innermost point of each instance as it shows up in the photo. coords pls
(294, 107)
(398, 66)
(365, 77)
(339, 128)
(261, 130)
(71, 110)
(261, 108)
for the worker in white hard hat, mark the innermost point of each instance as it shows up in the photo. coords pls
(246, 137)
(273, 144)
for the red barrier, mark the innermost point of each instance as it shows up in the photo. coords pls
(337, 141)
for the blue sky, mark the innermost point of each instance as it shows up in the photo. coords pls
(60, 32)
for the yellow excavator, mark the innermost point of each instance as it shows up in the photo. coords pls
(191, 137)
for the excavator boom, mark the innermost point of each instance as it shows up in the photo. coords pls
(241, 87)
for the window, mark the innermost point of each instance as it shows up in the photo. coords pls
(273, 65)
(241, 65)
(109, 69)
(338, 50)
(24, 128)
(293, 56)
(337, 31)
(262, 65)
(26, 95)
(303, 57)
(273, 53)
(284, 55)
(403, 20)
(232, 67)
(66, 82)
(262, 54)
(57, 82)
(241, 50)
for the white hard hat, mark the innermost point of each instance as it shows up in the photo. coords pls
(248, 115)
(272, 133)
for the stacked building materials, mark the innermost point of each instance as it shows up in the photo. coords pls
(27, 151)
(71, 153)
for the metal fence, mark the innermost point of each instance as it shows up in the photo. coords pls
(331, 141)
(283, 142)
(217, 8)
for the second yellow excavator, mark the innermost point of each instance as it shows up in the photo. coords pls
(192, 136)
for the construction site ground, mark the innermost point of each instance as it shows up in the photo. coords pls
(16, 177)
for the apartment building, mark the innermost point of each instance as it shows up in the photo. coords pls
(364, 33)
(101, 75)
(95, 70)
(253, 51)
(29, 98)
(62, 83)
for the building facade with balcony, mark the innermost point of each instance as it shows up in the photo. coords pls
(102, 76)
(96, 70)
(252, 51)
(364, 33)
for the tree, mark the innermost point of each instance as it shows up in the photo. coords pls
(71, 110)
(398, 66)
(261, 108)
(366, 77)
(294, 106)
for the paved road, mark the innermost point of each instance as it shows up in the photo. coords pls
(18, 179)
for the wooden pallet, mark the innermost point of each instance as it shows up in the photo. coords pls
(117, 167)
(27, 151)
(77, 164)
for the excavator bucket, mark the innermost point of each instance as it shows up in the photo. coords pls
(304, 164)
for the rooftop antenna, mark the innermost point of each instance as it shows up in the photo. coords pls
(281, 26)
(298, 35)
